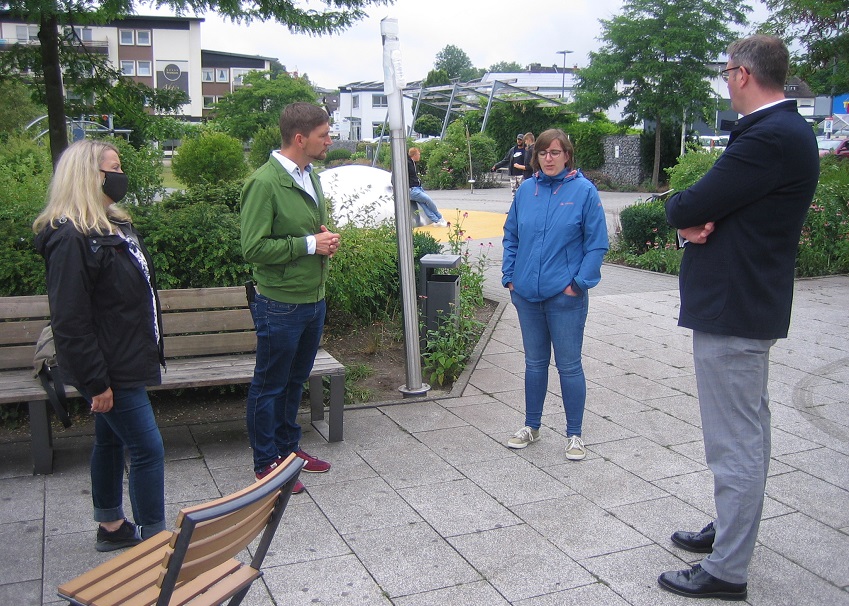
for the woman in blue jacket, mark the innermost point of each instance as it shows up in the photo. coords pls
(555, 239)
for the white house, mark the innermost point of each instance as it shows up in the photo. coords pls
(363, 110)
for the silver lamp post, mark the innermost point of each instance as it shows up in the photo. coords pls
(563, 84)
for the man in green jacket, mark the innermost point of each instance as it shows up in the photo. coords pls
(284, 236)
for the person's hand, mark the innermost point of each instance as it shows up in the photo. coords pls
(326, 242)
(102, 402)
(570, 292)
(697, 234)
(510, 286)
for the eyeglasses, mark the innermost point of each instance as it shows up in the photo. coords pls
(554, 153)
(724, 74)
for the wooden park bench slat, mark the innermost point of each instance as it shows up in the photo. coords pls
(209, 341)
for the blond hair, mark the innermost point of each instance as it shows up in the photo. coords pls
(76, 192)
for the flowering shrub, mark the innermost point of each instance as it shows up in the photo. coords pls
(824, 246)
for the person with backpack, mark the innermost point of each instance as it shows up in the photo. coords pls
(107, 329)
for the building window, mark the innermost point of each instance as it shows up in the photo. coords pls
(239, 75)
(144, 68)
(208, 101)
(143, 37)
(379, 101)
(355, 102)
(128, 68)
(207, 75)
(26, 33)
(126, 37)
(376, 128)
(221, 75)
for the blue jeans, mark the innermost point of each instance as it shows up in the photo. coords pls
(129, 424)
(557, 321)
(287, 339)
(418, 195)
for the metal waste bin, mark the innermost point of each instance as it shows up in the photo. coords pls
(440, 292)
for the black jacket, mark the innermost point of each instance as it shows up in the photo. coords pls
(516, 155)
(101, 310)
(740, 283)
(412, 173)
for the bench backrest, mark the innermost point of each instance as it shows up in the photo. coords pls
(196, 322)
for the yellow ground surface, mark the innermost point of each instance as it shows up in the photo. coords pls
(476, 224)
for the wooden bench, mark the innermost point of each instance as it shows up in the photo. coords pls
(196, 563)
(209, 340)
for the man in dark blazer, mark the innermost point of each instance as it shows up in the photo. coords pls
(742, 222)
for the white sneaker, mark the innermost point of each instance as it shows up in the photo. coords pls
(575, 449)
(442, 223)
(523, 437)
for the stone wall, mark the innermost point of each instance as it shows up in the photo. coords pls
(351, 146)
(622, 160)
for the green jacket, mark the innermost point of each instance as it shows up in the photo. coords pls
(276, 216)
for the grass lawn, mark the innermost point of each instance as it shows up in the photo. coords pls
(168, 179)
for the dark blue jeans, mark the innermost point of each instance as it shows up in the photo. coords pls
(558, 321)
(287, 339)
(129, 424)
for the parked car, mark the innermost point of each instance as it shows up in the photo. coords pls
(719, 142)
(839, 147)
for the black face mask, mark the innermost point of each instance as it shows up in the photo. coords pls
(115, 185)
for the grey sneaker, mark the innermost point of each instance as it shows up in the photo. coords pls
(575, 450)
(523, 437)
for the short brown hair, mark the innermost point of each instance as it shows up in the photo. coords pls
(765, 57)
(544, 141)
(412, 151)
(300, 119)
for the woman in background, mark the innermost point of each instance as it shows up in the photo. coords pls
(106, 323)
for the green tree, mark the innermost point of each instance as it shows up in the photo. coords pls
(259, 102)
(212, 157)
(428, 125)
(655, 57)
(506, 67)
(456, 63)
(821, 27)
(56, 37)
(17, 108)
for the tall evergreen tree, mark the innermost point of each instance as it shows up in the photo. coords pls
(656, 58)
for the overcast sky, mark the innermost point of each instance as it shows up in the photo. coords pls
(487, 31)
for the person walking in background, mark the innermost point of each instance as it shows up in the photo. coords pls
(514, 161)
(743, 221)
(417, 194)
(527, 163)
(285, 238)
(107, 329)
(555, 238)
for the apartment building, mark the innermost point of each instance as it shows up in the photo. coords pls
(161, 52)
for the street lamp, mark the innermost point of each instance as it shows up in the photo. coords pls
(563, 85)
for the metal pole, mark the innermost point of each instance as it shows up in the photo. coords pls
(393, 85)
(563, 81)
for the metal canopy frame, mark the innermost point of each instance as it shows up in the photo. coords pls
(460, 97)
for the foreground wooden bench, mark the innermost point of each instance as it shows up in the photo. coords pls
(209, 340)
(197, 562)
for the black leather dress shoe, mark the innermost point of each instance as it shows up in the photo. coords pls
(697, 542)
(697, 583)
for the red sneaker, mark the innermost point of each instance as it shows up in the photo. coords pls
(299, 487)
(267, 469)
(313, 465)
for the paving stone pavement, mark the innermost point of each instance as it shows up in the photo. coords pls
(425, 505)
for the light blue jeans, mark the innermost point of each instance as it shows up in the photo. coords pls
(558, 321)
(417, 194)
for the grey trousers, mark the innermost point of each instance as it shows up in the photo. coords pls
(731, 374)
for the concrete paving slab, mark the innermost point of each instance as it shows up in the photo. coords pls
(812, 496)
(26, 593)
(308, 536)
(411, 559)
(519, 562)
(21, 556)
(339, 581)
(513, 480)
(469, 594)
(459, 445)
(596, 594)
(604, 483)
(21, 499)
(647, 460)
(776, 581)
(579, 528)
(415, 465)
